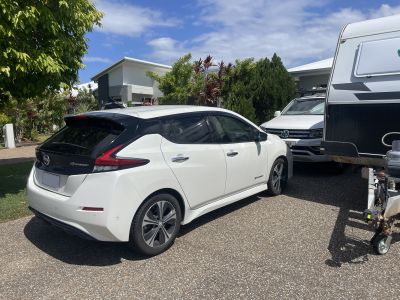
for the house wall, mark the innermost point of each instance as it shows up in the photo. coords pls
(115, 76)
(156, 91)
(307, 82)
(103, 90)
(136, 74)
(129, 82)
(116, 91)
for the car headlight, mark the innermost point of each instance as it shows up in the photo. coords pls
(316, 133)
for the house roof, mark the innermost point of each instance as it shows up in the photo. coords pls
(322, 66)
(128, 59)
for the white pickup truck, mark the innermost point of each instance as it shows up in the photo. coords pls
(301, 125)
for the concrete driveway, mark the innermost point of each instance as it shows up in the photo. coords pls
(309, 243)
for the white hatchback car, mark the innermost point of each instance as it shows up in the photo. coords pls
(137, 174)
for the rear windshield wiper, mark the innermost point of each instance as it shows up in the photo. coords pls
(69, 144)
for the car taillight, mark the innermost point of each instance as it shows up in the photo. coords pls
(109, 162)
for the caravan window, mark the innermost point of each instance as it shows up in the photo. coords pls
(378, 58)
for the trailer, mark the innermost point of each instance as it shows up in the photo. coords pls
(362, 116)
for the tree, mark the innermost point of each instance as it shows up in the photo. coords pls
(83, 102)
(193, 82)
(178, 84)
(253, 89)
(273, 87)
(210, 82)
(36, 115)
(238, 89)
(42, 43)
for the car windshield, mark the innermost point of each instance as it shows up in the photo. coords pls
(305, 107)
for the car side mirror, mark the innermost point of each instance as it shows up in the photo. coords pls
(257, 136)
(260, 136)
(277, 113)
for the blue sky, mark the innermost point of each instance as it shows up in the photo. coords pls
(300, 31)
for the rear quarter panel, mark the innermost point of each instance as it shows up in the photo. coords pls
(136, 184)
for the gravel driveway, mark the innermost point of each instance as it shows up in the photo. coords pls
(309, 243)
(17, 155)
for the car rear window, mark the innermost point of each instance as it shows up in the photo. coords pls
(83, 136)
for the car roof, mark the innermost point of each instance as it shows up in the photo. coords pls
(153, 111)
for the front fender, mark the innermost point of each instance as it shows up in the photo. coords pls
(278, 148)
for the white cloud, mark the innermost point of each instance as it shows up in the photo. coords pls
(96, 59)
(297, 30)
(167, 48)
(385, 11)
(130, 20)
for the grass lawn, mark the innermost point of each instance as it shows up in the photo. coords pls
(42, 137)
(12, 191)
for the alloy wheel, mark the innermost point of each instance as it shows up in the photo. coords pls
(278, 176)
(159, 223)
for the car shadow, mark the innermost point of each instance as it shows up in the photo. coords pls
(211, 216)
(74, 250)
(344, 189)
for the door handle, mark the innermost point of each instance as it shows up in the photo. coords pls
(179, 159)
(232, 153)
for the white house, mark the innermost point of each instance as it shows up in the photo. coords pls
(312, 75)
(127, 81)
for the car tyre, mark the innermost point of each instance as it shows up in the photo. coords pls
(278, 177)
(155, 225)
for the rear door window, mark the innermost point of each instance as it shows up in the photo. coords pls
(150, 126)
(187, 130)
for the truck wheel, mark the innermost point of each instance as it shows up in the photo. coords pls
(278, 177)
(156, 225)
(381, 244)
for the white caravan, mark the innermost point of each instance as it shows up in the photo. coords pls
(362, 115)
(363, 97)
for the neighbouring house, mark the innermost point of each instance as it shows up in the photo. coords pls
(127, 81)
(312, 75)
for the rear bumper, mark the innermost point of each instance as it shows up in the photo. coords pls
(63, 226)
(112, 224)
(307, 150)
(65, 213)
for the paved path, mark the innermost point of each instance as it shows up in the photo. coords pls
(307, 244)
(19, 154)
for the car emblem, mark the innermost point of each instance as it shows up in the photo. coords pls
(285, 134)
(46, 159)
